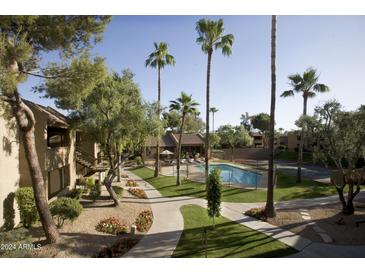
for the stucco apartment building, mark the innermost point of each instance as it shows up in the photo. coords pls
(289, 141)
(60, 153)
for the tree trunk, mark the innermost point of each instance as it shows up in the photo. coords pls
(26, 123)
(157, 162)
(269, 208)
(111, 174)
(347, 206)
(301, 144)
(178, 182)
(207, 116)
(213, 121)
(108, 185)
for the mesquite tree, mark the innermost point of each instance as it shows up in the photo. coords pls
(23, 41)
(233, 137)
(338, 138)
(111, 114)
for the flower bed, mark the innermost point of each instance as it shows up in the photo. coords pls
(144, 221)
(124, 175)
(111, 226)
(138, 192)
(131, 183)
(258, 213)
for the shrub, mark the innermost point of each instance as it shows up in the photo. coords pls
(111, 226)
(65, 208)
(75, 194)
(118, 190)
(258, 213)
(144, 220)
(214, 193)
(131, 183)
(138, 160)
(138, 193)
(95, 192)
(118, 249)
(26, 205)
(90, 183)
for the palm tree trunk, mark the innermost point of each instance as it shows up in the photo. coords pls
(157, 164)
(26, 122)
(301, 143)
(269, 208)
(207, 117)
(178, 182)
(213, 121)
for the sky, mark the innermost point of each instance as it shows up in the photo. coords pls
(334, 45)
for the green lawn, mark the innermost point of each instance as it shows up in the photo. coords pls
(287, 188)
(293, 156)
(227, 240)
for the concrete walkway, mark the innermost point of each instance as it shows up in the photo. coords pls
(164, 234)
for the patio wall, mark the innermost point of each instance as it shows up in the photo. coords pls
(246, 153)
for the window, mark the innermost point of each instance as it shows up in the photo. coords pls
(57, 137)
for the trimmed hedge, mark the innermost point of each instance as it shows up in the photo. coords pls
(26, 205)
(65, 208)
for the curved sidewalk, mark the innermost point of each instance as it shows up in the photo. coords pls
(164, 234)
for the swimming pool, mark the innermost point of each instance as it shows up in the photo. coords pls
(235, 175)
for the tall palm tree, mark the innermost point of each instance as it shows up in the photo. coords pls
(184, 105)
(269, 208)
(159, 58)
(213, 110)
(211, 37)
(306, 84)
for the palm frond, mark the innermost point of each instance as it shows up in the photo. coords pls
(287, 93)
(321, 88)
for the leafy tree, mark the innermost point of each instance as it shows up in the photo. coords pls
(339, 137)
(214, 188)
(213, 110)
(211, 37)
(214, 140)
(152, 126)
(261, 121)
(233, 137)
(183, 105)
(193, 123)
(171, 120)
(245, 121)
(269, 207)
(306, 84)
(23, 41)
(112, 113)
(158, 59)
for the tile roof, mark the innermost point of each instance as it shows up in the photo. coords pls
(55, 118)
(172, 139)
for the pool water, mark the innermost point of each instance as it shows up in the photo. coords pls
(235, 175)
